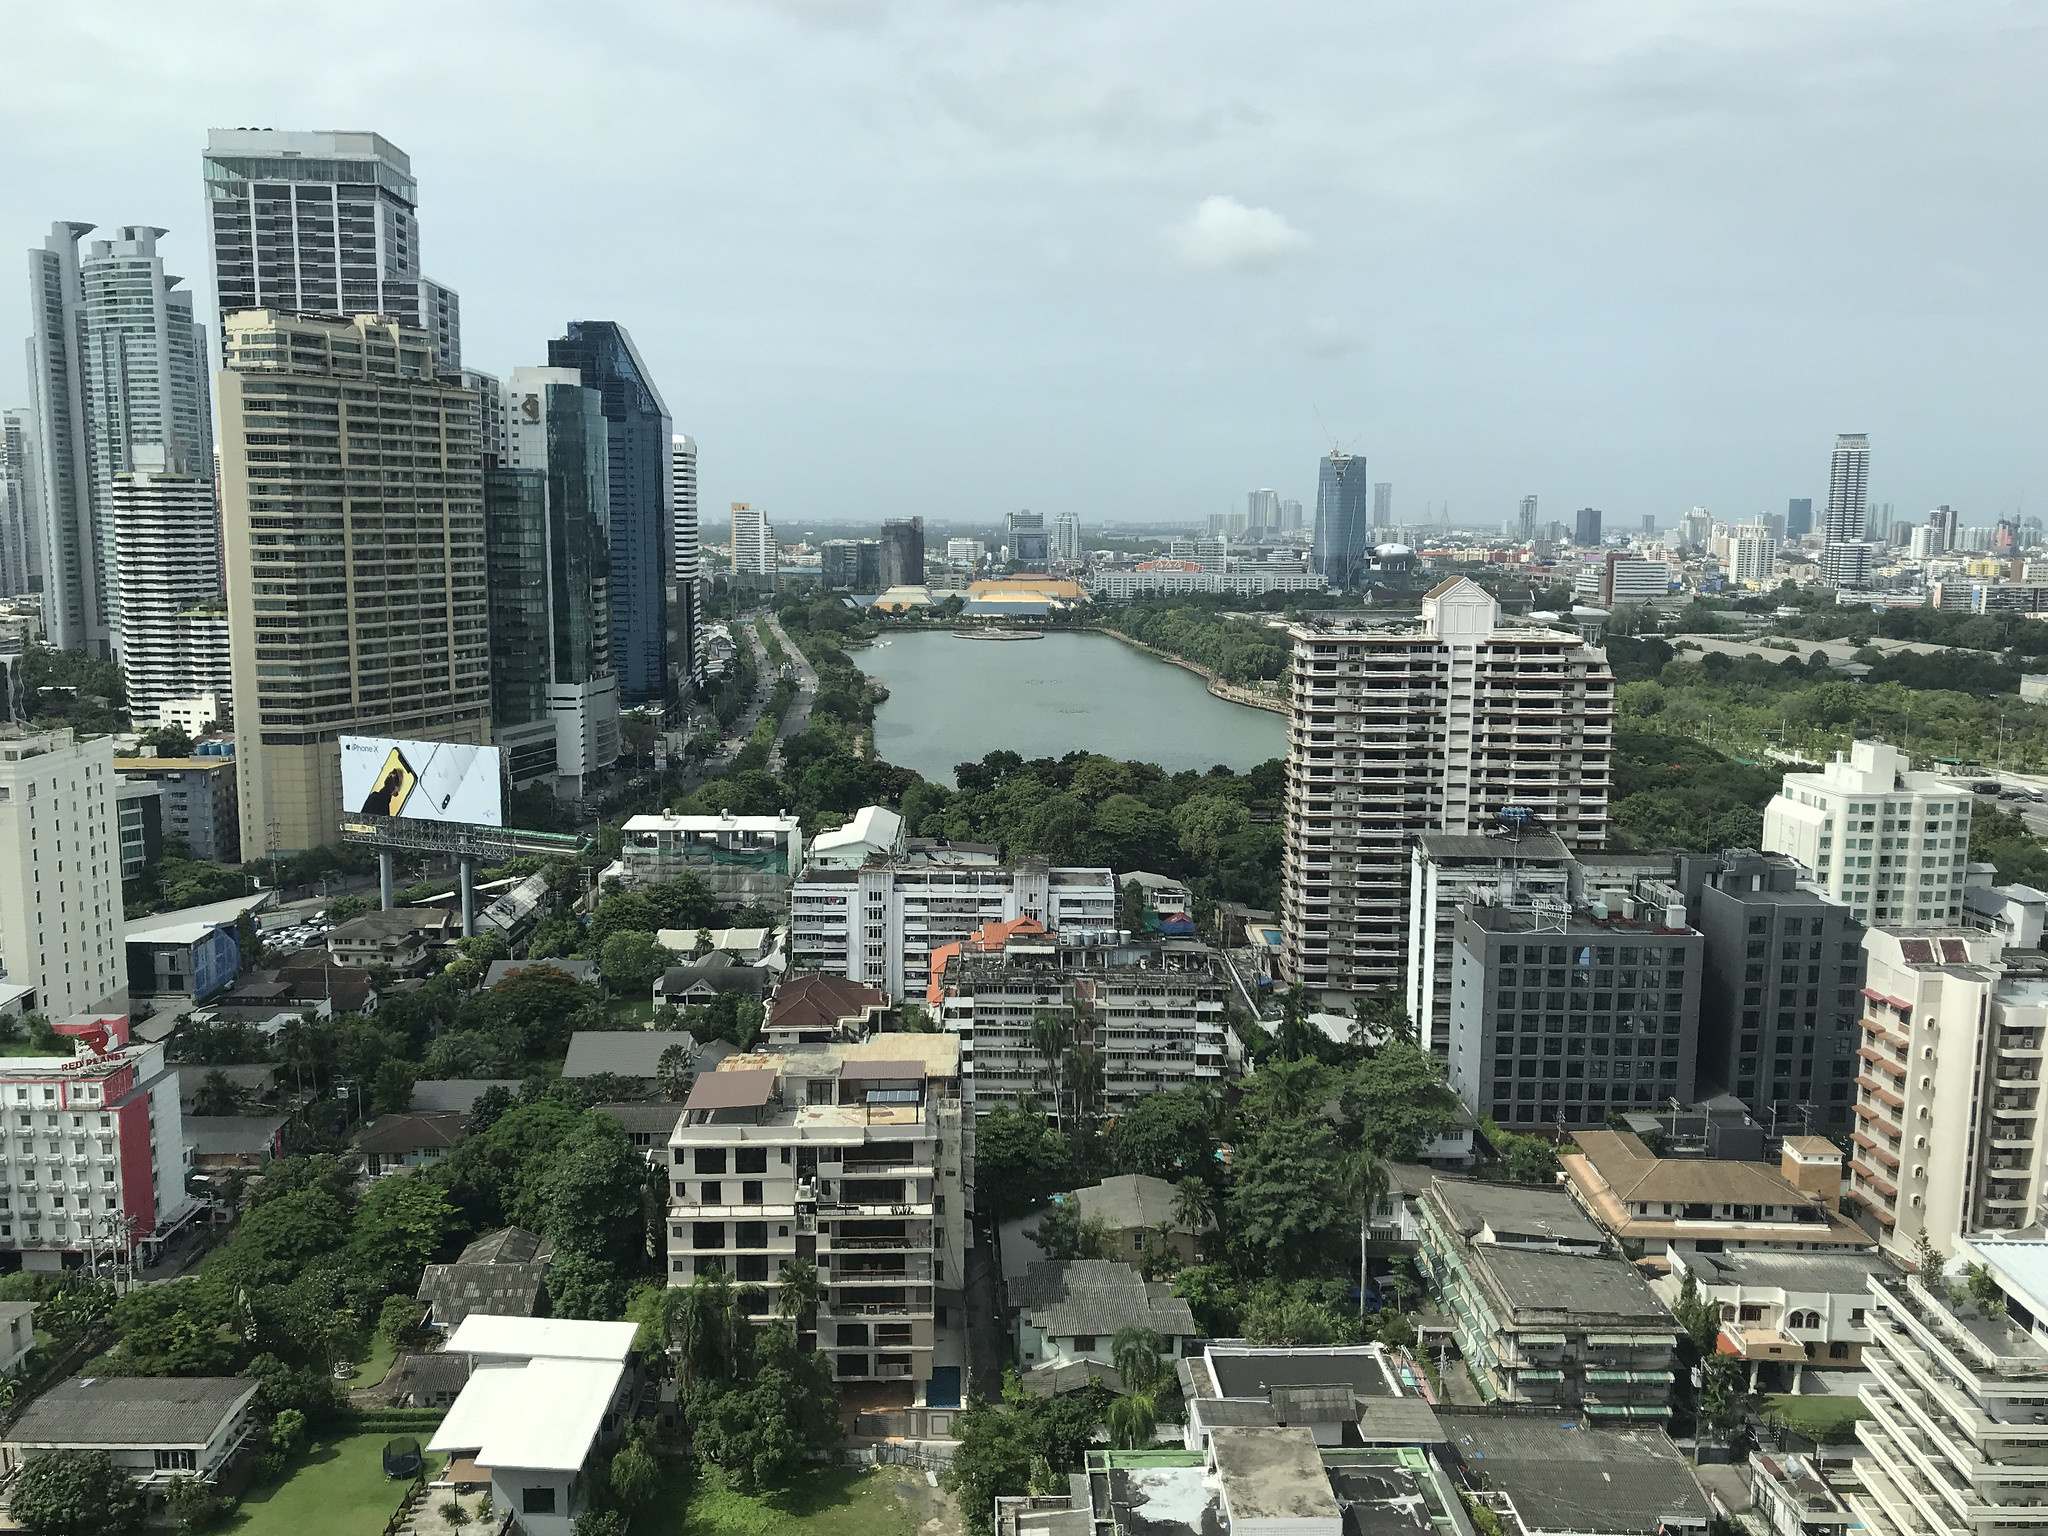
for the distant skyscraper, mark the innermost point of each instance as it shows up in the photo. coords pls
(116, 361)
(1066, 534)
(1798, 517)
(1950, 522)
(322, 224)
(903, 551)
(1844, 557)
(1586, 531)
(174, 632)
(21, 563)
(1528, 519)
(1649, 523)
(686, 607)
(1342, 519)
(1383, 504)
(1262, 509)
(642, 540)
(492, 432)
(547, 522)
(756, 557)
(1752, 554)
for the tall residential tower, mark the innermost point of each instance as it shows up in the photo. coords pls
(1844, 557)
(1342, 518)
(686, 606)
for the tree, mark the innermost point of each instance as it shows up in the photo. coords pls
(1064, 1233)
(1927, 1258)
(636, 1479)
(193, 1505)
(391, 1088)
(75, 1493)
(633, 960)
(1700, 1318)
(1379, 1016)
(600, 1522)
(1139, 1355)
(398, 1227)
(218, 1094)
(1019, 1159)
(1281, 1216)
(398, 1316)
(1051, 1034)
(1169, 1135)
(1133, 1421)
(1399, 1099)
(1281, 1320)
(796, 1289)
(342, 908)
(675, 1073)
(1130, 908)
(1194, 1205)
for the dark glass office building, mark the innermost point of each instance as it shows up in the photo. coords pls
(639, 445)
(1587, 533)
(1343, 520)
(1798, 517)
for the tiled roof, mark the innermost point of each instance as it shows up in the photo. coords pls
(1065, 1297)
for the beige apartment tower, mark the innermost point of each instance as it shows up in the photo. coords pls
(60, 870)
(1451, 722)
(352, 517)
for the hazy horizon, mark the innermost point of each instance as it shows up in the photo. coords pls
(892, 257)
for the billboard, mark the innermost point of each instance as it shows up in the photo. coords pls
(421, 780)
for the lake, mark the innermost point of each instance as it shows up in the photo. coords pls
(953, 701)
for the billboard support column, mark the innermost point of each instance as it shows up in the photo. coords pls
(468, 881)
(387, 894)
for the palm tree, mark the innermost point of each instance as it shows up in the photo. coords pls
(1050, 1033)
(700, 1322)
(218, 1094)
(1136, 1353)
(796, 1290)
(1133, 1422)
(1086, 1078)
(1295, 1030)
(1294, 1086)
(1194, 1206)
(1362, 1184)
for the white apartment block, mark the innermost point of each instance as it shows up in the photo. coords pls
(1167, 578)
(1753, 555)
(755, 551)
(1445, 723)
(1891, 844)
(879, 924)
(1153, 1014)
(850, 1156)
(744, 859)
(92, 1153)
(1948, 1104)
(172, 639)
(1956, 1442)
(60, 869)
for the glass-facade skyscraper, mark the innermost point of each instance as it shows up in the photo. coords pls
(640, 445)
(1798, 517)
(1343, 518)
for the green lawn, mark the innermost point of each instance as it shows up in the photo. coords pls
(373, 1361)
(834, 1501)
(631, 1010)
(334, 1487)
(1826, 1419)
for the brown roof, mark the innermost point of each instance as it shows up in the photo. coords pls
(731, 1090)
(1442, 587)
(395, 1135)
(820, 1002)
(1636, 1174)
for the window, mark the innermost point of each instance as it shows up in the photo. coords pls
(711, 1194)
(711, 1159)
(174, 1461)
(750, 1160)
(1083, 1342)
(536, 1501)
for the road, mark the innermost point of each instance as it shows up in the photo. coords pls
(798, 720)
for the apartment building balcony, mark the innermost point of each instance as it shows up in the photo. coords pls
(911, 1305)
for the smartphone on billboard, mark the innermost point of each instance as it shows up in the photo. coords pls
(394, 785)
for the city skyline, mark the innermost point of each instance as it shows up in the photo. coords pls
(1344, 252)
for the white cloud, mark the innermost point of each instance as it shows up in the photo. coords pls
(1224, 234)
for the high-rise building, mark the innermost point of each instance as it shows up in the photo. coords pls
(60, 869)
(1448, 723)
(492, 430)
(1798, 517)
(1752, 554)
(354, 605)
(173, 640)
(322, 224)
(1528, 519)
(1780, 1035)
(642, 539)
(1262, 508)
(1290, 516)
(1586, 527)
(1341, 547)
(1917, 823)
(1950, 522)
(21, 564)
(1649, 525)
(1451, 871)
(1066, 535)
(1029, 543)
(554, 697)
(1383, 504)
(903, 550)
(1844, 557)
(855, 565)
(686, 607)
(756, 556)
(1696, 530)
(116, 361)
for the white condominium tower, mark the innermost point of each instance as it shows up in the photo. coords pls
(1891, 844)
(60, 869)
(173, 635)
(1066, 535)
(21, 564)
(1752, 554)
(686, 611)
(322, 224)
(754, 550)
(1844, 557)
(1449, 723)
(355, 558)
(115, 361)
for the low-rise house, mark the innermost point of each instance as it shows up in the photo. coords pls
(647, 1126)
(2016, 913)
(746, 860)
(543, 1394)
(154, 1428)
(1069, 1310)
(18, 1336)
(1783, 1309)
(216, 1143)
(1657, 1204)
(501, 1274)
(1792, 1498)
(397, 1143)
(749, 946)
(703, 977)
(190, 953)
(254, 1081)
(404, 938)
(1168, 902)
(270, 999)
(456, 1095)
(1349, 1394)
(1135, 1208)
(822, 1010)
(1540, 1477)
(1545, 1310)
(629, 1053)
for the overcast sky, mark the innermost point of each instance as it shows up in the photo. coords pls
(1134, 259)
